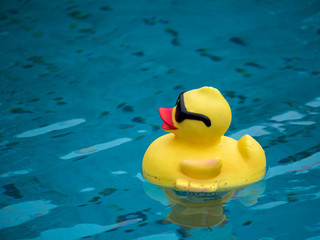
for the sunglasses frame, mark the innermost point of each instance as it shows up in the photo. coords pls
(182, 113)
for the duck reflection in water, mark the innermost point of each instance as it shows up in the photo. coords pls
(202, 210)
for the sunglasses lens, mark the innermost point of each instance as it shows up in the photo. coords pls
(179, 116)
(178, 113)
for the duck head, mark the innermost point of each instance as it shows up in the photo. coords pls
(199, 116)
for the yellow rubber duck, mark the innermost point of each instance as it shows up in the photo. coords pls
(196, 156)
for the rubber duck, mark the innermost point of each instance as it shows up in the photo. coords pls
(195, 156)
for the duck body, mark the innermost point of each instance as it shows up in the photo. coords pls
(196, 156)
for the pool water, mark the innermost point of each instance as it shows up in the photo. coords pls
(81, 82)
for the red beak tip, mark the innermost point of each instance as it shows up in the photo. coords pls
(166, 116)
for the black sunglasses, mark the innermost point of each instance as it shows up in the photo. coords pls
(182, 113)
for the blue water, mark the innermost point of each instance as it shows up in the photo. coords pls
(81, 82)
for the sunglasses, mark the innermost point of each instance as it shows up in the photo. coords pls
(182, 113)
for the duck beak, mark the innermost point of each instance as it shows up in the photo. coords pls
(166, 116)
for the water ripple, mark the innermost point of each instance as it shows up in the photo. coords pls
(50, 128)
(95, 148)
(16, 214)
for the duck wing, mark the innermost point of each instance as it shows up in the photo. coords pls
(201, 169)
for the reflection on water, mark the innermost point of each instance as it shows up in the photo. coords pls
(202, 209)
(19, 213)
(201, 214)
(50, 128)
(82, 230)
(96, 148)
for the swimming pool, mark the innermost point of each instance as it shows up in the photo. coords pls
(81, 82)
